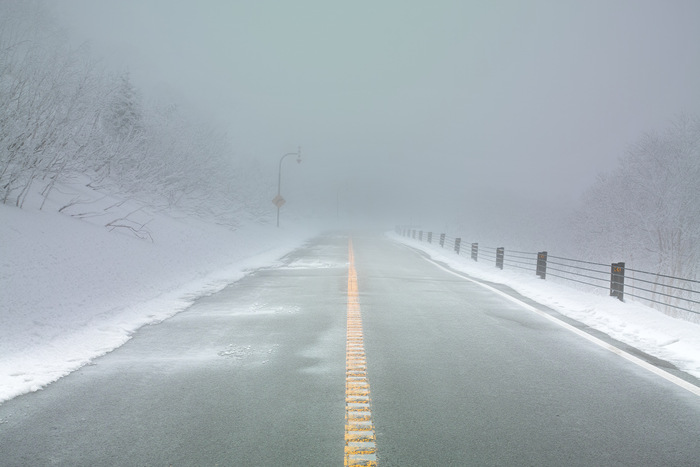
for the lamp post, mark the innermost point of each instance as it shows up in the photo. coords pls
(279, 201)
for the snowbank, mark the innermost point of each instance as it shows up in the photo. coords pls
(671, 339)
(72, 290)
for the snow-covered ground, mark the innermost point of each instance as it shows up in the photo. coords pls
(70, 290)
(674, 340)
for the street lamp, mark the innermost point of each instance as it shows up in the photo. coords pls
(279, 201)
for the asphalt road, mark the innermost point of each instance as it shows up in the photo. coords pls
(256, 375)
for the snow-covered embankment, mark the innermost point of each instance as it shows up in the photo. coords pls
(72, 290)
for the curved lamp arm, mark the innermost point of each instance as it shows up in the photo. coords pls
(279, 178)
(279, 171)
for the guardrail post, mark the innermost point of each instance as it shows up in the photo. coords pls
(542, 264)
(499, 257)
(430, 237)
(420, 236)
(458, 242)
(413, 233)
(617, 280)
(442, 240)
(475, 251)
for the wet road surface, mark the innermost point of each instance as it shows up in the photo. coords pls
(256, 375)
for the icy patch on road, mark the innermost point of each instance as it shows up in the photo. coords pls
(312, 264)
(241, 352)
(265, 309)
(237, 352)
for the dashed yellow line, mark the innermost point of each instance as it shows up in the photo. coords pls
(360, 438)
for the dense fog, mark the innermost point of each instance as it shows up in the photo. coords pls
(569, 126)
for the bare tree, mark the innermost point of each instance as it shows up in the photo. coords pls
(647, 211)
(62, 119)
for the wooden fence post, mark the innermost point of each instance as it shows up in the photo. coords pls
(542, 264)
(500, 252)
(617, 280)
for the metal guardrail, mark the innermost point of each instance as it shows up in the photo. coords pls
(660, 289)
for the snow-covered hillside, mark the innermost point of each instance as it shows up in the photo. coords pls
(73, 290)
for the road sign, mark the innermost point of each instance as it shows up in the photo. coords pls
(278, 201)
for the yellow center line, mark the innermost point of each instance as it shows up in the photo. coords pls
(360, 438)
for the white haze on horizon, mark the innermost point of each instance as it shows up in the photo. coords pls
(414, 111)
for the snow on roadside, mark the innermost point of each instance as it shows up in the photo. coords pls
(674, 340)
(72, 291)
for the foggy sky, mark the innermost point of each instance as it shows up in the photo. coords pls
(406, 107)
